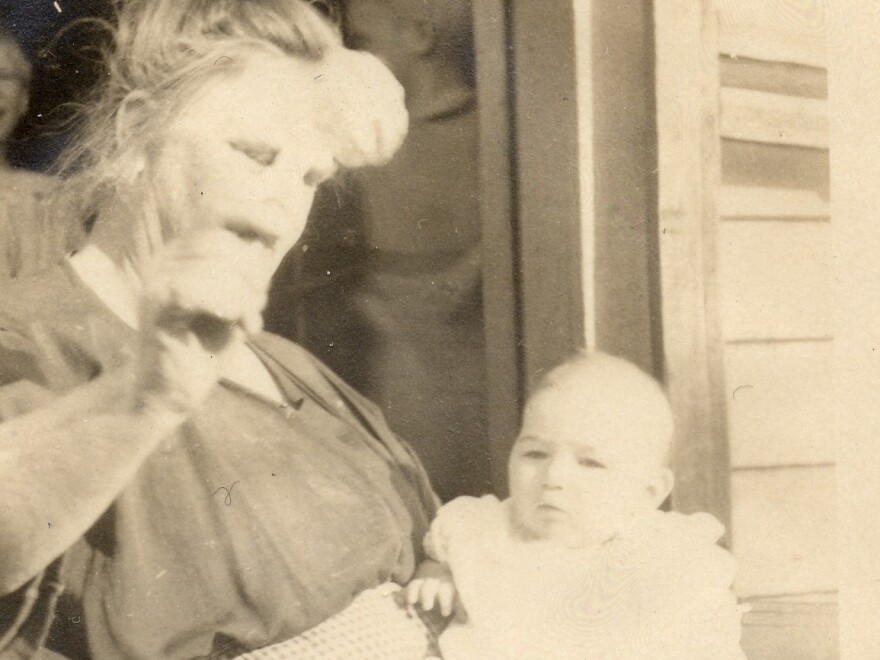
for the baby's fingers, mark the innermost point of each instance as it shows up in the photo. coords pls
(429, 594)
(446, 597)
(413, 591)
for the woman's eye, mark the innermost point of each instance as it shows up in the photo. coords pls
(535, 454)
(261, 154)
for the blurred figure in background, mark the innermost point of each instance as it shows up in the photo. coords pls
(31, 235)
(389, 291)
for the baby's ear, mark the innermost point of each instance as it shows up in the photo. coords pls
(660, 485)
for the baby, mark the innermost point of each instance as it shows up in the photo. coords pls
(579, 563)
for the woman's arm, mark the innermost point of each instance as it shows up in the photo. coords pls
(63, 464)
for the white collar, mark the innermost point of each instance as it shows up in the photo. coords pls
(113, 284)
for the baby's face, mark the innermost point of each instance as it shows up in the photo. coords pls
(579, 472)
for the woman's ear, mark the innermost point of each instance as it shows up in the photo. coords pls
(131, 119)
(660, 485)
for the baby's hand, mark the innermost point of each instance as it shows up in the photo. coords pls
(432, 587)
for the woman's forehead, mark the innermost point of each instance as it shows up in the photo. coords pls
(267, 89)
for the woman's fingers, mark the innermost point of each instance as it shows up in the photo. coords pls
(211, 273)
(371, 131)
(201, 296)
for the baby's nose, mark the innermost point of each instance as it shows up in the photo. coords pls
(558, 471)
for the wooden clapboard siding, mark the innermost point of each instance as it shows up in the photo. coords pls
(791, 79)
(784, 531)
(755, 202)
(779, 403)
(773, 118)
(775, 277)
(773, 30)
(775, 280)
(760, 254)
(774, 166)
(775, 630)
(745, 259)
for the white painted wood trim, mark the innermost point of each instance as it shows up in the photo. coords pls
(583, 40)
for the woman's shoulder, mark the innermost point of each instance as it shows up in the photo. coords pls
(53, 331)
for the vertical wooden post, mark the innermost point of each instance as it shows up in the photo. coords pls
(687, 84)
(501, 304)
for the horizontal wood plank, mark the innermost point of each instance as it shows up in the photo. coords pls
(774, 118)
(775, 166)
(775, 77)
(760, 202)
(775, 280)
(779, 410)
(784, 630)
(784, 530)
(774, 30)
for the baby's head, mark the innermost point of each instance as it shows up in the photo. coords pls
(592, 453)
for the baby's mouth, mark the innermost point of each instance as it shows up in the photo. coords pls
(251, 231)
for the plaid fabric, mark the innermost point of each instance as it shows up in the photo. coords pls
(376, 626)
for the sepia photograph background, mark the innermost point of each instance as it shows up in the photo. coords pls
(689, 184)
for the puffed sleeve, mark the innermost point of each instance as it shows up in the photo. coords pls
(464, 519)
(690, 610)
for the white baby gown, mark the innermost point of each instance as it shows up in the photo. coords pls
(660, 590)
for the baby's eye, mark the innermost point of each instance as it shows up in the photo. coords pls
(536, 454)
(590, 463)
(261, 154)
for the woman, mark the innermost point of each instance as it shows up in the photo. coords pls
(208, 489)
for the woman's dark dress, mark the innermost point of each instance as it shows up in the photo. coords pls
(252, 524)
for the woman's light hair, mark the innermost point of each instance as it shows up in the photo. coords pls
(162, 52)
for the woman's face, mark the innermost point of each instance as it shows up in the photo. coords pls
(244, 154)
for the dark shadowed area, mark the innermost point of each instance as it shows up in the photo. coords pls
(63, 47)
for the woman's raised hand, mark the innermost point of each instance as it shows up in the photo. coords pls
(371, 130)
(202, 294)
